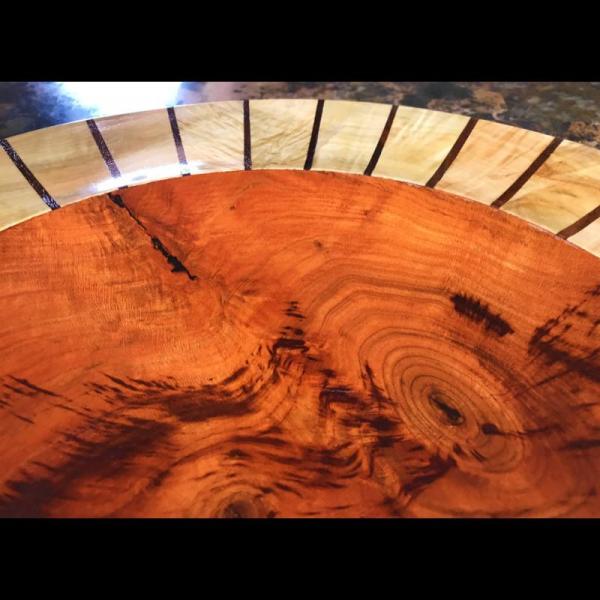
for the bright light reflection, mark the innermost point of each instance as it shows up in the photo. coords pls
(117, 97)
(139, 176)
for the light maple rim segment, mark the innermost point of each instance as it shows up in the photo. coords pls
(549, 182)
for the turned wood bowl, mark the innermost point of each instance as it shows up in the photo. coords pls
(296, 308)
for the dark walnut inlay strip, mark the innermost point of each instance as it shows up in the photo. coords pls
(576, 227)
(103, 148)
(247, 138)
(314, 136)
(381, 143)
(177, 139)
(29, 176)
(527, 174)
(451, 157)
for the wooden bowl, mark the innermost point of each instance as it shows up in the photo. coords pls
(298, 308)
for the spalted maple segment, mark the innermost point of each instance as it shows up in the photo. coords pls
(296, 344)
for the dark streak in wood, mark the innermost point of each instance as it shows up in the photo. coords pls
(522, 180)
(247, 137)
(314, 136)
(103, 148)
(177, 139)
(178, 266)
(29, 176)
(453, 153)
(576, 227)
(477, 311)
(381, 143)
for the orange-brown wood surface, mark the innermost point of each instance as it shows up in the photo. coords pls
(296, 344)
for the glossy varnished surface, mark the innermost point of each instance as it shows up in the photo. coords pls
(569, 109)
(493, 157)
(549, 182)
(283, 343)
(419, 141)
(564, 189)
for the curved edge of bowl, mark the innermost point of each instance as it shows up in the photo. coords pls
(549, 182)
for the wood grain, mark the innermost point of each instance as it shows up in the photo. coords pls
(564, 189)
(142, 146)
(65, 160)
(588, 238)
(212, 135)
(493, 157)
(348, 135)
(557, 188)
(418, 143)
(290, 343)
(281, 132)
(18, 200)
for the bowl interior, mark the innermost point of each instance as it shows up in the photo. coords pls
(295, 343)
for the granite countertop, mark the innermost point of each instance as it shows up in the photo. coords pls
(565, 109)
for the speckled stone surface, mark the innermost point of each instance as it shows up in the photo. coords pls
(567, 109)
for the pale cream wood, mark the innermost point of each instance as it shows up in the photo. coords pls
(65, 160)
(418, 142)
(348, 135)
(564, 189)
(588, 238)
(142, 146)
(493, 157)
(212, 135)
(280, 132)
(18, 200)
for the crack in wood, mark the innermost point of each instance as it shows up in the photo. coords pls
(178, 266)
